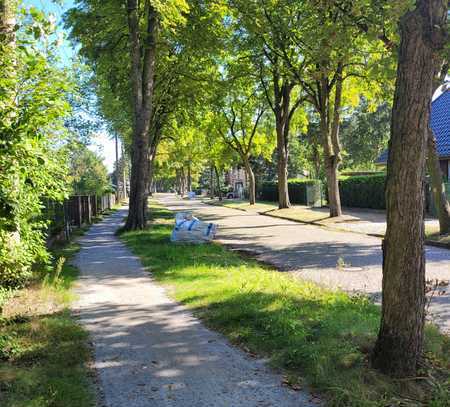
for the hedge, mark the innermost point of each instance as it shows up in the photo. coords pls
(364, 191)
(296, 187)
(361, 191)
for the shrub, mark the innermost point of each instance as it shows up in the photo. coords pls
(32, 165)
(366, 191)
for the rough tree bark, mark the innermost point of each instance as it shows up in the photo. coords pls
(143, 58)
(399, 345)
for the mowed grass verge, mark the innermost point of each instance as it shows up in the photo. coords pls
(309, 332)
(44, 352)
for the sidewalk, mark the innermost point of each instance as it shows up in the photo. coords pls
(151, 351)
(337, 259)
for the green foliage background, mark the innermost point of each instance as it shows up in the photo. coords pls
(32, 166)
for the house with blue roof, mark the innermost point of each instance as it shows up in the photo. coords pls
(440, 123)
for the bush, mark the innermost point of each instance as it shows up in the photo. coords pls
(296, 187)
(364, 191)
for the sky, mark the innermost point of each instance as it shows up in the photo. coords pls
(102, 142)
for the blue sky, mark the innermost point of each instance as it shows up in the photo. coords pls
(102, 142)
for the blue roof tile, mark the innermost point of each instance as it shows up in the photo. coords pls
(440, 123)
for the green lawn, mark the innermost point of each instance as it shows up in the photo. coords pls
(432, 234)
(296, 213)
(43, 351)
(312, 333)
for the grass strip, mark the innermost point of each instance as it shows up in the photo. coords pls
(324, 336)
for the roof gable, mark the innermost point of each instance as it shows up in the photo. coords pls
(440, 123)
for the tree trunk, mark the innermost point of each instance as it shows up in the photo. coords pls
(282, 171)
(182, 182)
(400, 339)
(142, 77)
(251, 183)
(219, 189)
(437, 185)
(124, 175)
(116, 142)
(211, 182)
(151, 162)
(334, 197)
(7, 22)
(330, 140)
(282, 118)
(189, 177)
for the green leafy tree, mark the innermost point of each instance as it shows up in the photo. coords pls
(242, 124)
(88, 174)
(365, 134)
(33, 104)
(263, 41)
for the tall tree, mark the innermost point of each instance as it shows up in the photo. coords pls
(400, 340)
(142, 72)
(262, 27)
(239, 125)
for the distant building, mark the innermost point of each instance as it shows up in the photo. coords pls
(440, 123)
(236, 178)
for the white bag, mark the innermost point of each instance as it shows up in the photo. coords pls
(192, 230)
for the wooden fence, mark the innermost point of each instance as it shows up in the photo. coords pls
(75, 212)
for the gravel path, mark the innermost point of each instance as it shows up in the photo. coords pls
(150, 351)
(313, 252)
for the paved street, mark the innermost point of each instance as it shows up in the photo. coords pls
(345, 260)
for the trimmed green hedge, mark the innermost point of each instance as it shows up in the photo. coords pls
(296, 187)
(364, 191)
(361, 191)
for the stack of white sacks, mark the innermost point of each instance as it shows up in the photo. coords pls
(192, 230)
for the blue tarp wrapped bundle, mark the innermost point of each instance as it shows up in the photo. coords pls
(189, 229)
